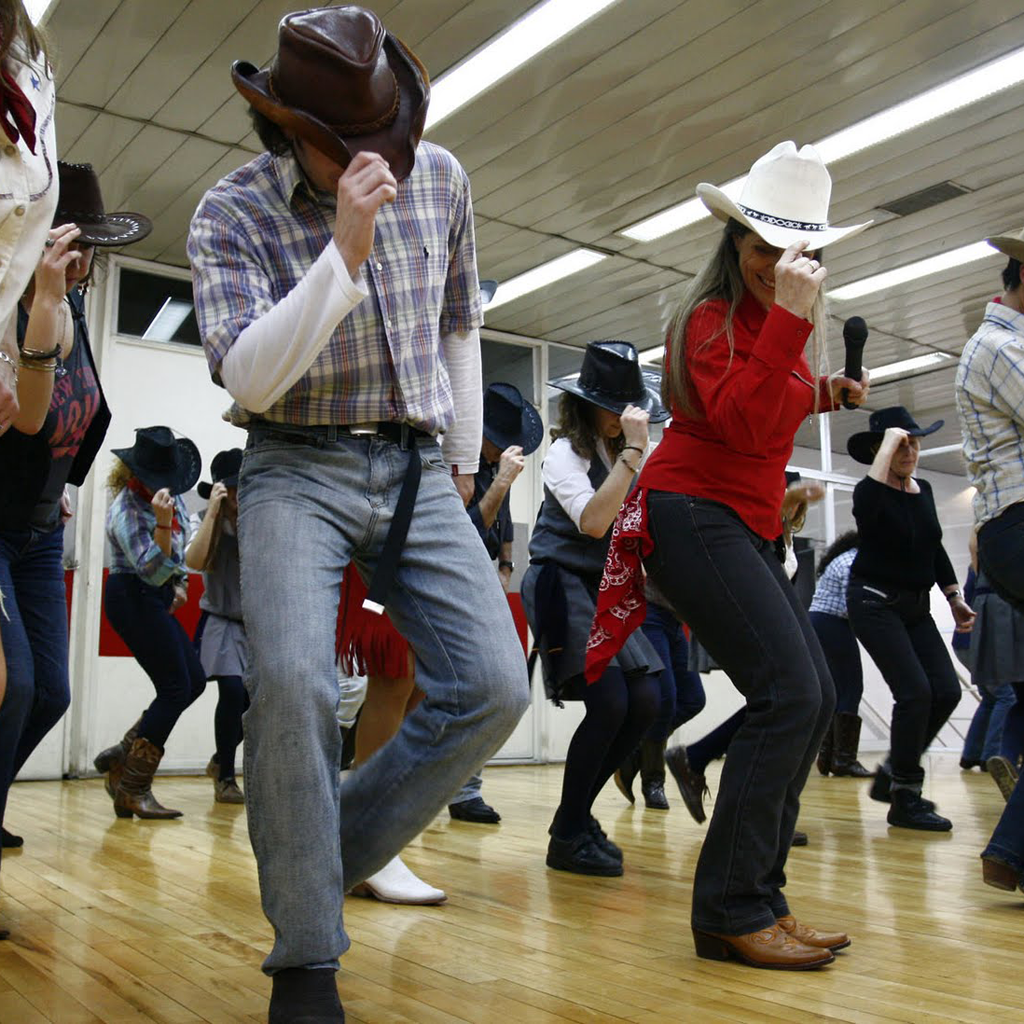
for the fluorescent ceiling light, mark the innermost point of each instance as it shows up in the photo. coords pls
(985, 81)
(545, 274)
(38, 10)
(652, 355)
(171, 316)
(912, 271)
(906, 365)
(519, 43)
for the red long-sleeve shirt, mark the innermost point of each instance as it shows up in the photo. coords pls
(735, 446)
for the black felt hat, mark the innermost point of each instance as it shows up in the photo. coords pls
(611, 377)
(223, 470)
(864, 446)
(159, 459)
(510, 419)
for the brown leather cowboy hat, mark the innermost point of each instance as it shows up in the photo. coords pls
(342, 83)
(81, 203)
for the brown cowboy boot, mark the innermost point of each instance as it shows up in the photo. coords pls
(846, 742)
(827, 747)
(111, 761)
(134, 794)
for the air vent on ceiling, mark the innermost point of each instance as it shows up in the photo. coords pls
(926, 198)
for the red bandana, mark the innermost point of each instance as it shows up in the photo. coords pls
(17, 115)
(136, 486)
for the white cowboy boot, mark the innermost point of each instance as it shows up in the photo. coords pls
(395, 883)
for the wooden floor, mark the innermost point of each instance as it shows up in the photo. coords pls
(119, 921)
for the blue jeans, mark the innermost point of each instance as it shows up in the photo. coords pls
(306, 509)
(1007, 842)
(985, 735)
(843, 656)
(682, 692)
(470, 791)
(35, 642)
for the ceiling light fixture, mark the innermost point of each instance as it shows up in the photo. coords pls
(520, 42)
(907, 365)
(545, 274)
(171, 315)
(987, 80)
(912, 271)
(38, 10)
(652, 355)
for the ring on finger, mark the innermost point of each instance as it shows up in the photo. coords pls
(49, 243)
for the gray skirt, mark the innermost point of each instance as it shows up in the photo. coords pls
(563, 656)
(222, 649)
(997, 641)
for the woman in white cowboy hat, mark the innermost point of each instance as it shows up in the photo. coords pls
(60, 426)
(598, 447)
(147, 527)
(900, 557)
(705, 517)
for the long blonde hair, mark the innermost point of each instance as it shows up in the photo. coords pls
(720, 278)
(118, 478)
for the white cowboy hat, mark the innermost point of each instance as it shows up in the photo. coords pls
(1011, 245)
(784, 199)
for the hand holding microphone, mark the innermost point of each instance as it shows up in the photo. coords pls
(852, 388)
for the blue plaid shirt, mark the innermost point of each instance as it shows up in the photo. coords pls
(130, 524)
(830, 595)
(259, 230)
(990, 406)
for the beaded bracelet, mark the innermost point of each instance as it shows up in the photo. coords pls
(36, 355)
(38, 365)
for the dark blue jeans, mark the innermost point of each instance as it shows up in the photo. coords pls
(682, 693)
(141, 615)
(1007, 842)
(843, 656)
(985, 736)
(35, 640)
(728, 584)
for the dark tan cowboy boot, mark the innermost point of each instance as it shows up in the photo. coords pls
(112, 759)
(134, 794)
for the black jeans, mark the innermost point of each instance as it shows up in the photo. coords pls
(1001, 553)
(897, 630)
(141, 616)
(839, 643)
(728, 585)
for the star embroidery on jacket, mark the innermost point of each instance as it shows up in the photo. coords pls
(35, 83)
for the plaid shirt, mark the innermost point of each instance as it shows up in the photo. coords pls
(259, 230)
(130, 524)
(990, 405)
(830, 594)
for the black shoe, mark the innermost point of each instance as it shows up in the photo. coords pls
(967, 763)
(601, 840)
(799, 839)
(654, 793)
(691, 784)
(909, 810)
(626, 773)
(582, 856)
(302, 996)
(474, 810)
(881, 788)
(9, 841)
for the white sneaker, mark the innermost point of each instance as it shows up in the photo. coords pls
(395, 883)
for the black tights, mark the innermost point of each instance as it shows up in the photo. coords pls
(232, 703)
(619, 711)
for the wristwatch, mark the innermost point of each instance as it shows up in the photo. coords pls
(506, 564)
(954, 593)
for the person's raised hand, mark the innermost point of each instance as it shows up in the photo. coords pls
(364, 187)
(511, 464)
(798, 279)
(163, 507)
(57, 257)
(634, 427)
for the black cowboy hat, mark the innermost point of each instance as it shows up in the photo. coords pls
(864, 446)
(509, 419)
(223, 470)
(159, 459)
(611, 378)
(344, 84)
(81, 203)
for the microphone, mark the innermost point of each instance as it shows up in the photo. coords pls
(855, 333)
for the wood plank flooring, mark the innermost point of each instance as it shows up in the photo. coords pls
(160, 923)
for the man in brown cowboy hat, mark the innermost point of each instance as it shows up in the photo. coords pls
(337, 296)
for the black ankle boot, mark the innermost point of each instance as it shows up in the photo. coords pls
(601, 840)
(582, 856)
(909, 810)
(825, 751)
(652, 774)
(302, 996)
(626, 773)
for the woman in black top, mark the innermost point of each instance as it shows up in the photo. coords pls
(900, 558)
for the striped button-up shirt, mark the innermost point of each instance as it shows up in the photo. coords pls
(990, 405)
(130, 525)
(259, 230)
(830, 594)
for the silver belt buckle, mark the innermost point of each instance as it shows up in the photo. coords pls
(362, 429)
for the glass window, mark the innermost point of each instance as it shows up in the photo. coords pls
(508, 364)
(156, 308)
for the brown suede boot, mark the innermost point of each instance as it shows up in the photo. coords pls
(112, 759)
(134, 794)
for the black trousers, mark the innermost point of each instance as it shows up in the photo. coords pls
(142, 618)
(839, 643)
(897, 630)
(727, 584)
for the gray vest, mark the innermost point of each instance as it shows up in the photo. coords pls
(222, 580)
(557, 539)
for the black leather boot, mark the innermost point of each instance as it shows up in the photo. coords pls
(582, 856)
(909, 810)
(846, 742)
(652, 774)
(825, 751)
(626, 773)
(302, 996)
(691, 784)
